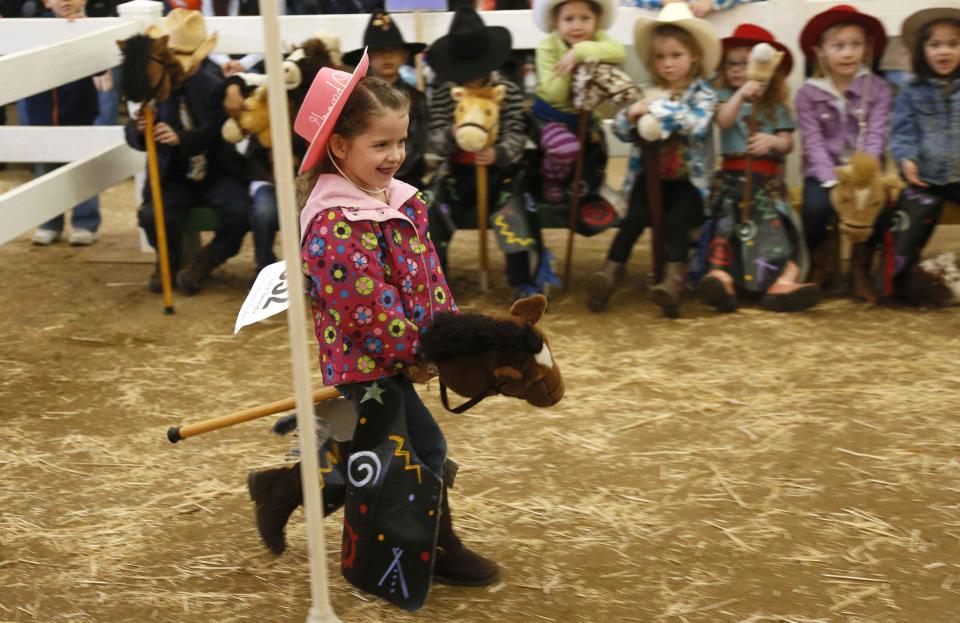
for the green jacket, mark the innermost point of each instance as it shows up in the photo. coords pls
(555, 90)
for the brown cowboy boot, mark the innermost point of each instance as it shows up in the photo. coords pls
(717, 289)
(861, 263)
(190, 278)
(667, 293)
(276, 493)
(601, 285)
(454, 564)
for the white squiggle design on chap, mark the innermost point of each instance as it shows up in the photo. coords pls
(369, 468)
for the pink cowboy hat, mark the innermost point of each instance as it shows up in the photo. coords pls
(322, 107)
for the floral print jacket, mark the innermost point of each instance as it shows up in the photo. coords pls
(375, 282)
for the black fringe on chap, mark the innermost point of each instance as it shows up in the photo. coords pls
(458, 335)
(134, 83)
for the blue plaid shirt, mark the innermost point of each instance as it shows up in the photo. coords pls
(689, 116)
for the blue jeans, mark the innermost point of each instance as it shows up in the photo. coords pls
(817, 211)
(264, 223)
(109, 102)
(85, 215)
(22, 113)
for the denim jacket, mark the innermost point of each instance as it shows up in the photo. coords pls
(926, 129)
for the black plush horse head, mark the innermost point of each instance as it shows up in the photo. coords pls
(478, 355)
(150, 71)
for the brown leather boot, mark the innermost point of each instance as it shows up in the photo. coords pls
(861, 263)
(667, 293)
(454, 564)
(190, 278)
(601, 285)
(276, 493)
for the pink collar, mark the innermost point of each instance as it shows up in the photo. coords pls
(333, 191)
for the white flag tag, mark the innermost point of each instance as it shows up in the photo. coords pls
(267, 297)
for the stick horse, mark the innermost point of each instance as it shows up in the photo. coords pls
(593, 83)
(151, 72)
(476, 356)
(476, 125)
(862, 192)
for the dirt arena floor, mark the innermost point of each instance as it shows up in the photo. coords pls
(743, 468)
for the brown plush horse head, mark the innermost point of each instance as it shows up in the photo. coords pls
(479, 356)
(860, 194)
(476, 119)
(150, 71)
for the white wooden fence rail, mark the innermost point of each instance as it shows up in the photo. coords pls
(39, 54)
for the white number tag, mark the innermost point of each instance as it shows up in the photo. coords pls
(267, 297)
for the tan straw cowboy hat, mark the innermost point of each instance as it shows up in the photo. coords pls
(914, 23)
(678, 14)
(186, 37)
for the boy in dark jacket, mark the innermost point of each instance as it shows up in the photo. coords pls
(196, 165)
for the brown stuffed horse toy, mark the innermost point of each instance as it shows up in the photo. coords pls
(478, 356)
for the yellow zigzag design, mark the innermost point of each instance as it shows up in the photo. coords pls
(504, 229)
(333, 457)
(405, 454)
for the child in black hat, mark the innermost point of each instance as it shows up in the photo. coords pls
(469, 56)
(389, 52)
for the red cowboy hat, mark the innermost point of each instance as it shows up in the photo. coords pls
(841, 14)
(749, 35)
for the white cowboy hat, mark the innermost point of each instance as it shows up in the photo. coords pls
(678, 14)
(543, 13)
(186, 37)
(914, 23)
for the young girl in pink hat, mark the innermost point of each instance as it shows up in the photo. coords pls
(375, 283)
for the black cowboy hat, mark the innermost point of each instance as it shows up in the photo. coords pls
(471, 49)
(382, 32)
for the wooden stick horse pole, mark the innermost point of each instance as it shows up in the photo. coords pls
(149, 114)
(483, 209)
(651, 172)
(177, 433)
(582, 121)
(320, 609)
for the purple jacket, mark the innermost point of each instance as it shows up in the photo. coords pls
(829, 125)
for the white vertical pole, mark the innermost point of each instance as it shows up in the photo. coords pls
(320, 609)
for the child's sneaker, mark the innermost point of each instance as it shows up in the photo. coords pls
(82, 237)
(45, 237)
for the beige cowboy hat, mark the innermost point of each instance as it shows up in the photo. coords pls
(543, 13)
(678, 14)
(914, 23)
(186, 37)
